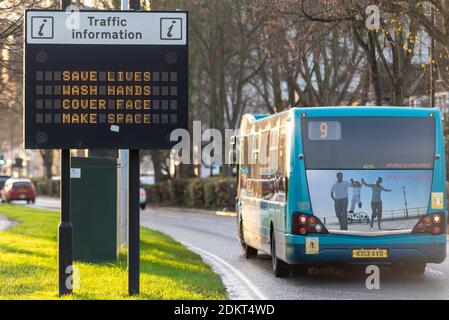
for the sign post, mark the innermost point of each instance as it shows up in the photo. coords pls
(104, 80)
(134, 211)
(65, 228)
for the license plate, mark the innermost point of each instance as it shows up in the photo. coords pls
(23, 196)
(370, 253)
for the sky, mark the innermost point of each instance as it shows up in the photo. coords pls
(417, 185)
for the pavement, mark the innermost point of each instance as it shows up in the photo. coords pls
(213, 237)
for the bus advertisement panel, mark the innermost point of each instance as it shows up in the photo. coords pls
(370, 199)
(369, 173)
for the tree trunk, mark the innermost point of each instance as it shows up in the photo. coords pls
(48, 166)
(47, 159)
(158, 157)
(374, 68)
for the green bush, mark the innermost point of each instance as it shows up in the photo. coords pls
(163, 188)
(177, 190)
(158, 194)
(219, 193)
(195, 193)
(211, 193)
(153, 195)
(225, 193)
(46, 187)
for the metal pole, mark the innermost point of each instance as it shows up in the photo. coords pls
(134, 223)
(65, 258)
(432, 58)
(122, 204)
(11, 141)
(123, 195)
(65, 227)
(134, 210)
(405, 201)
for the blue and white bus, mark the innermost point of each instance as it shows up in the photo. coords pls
(337, 185)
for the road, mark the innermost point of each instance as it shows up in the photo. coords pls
(213, 237)
(44, 203)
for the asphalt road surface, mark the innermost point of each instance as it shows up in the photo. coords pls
(214, 238)
(46, 203)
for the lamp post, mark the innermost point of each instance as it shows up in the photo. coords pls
(405, 201)
(432, 59)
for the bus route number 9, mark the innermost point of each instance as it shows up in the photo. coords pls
(324, 130)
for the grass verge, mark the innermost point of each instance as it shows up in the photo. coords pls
(28, 265)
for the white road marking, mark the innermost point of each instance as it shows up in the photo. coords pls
(236, 272)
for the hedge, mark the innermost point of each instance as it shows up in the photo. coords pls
(45, 187)
(212, 193)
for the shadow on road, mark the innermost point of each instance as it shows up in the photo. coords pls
(342, 274)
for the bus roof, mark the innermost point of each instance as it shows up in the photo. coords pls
(354, 112)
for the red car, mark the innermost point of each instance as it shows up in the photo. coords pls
(18, 189)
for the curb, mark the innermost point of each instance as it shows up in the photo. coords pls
(203, 211)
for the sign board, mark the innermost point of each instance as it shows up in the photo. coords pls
(105, 79)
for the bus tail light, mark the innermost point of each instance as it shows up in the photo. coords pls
(305, 224)
(431, 223)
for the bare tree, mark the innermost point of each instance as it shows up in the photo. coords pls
(389, 50)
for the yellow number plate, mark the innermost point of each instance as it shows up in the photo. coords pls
(370, 253)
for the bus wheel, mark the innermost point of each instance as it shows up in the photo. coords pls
(416, 268)
(280, 268)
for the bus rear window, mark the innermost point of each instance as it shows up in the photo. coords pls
(369, 143)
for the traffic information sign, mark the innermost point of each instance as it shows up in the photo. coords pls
(105, 79)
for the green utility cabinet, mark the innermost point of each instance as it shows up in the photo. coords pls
(94, 208)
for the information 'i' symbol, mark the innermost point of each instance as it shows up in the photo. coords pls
(170, 29)
(40, 33)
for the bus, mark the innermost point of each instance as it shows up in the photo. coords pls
(343, 185)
